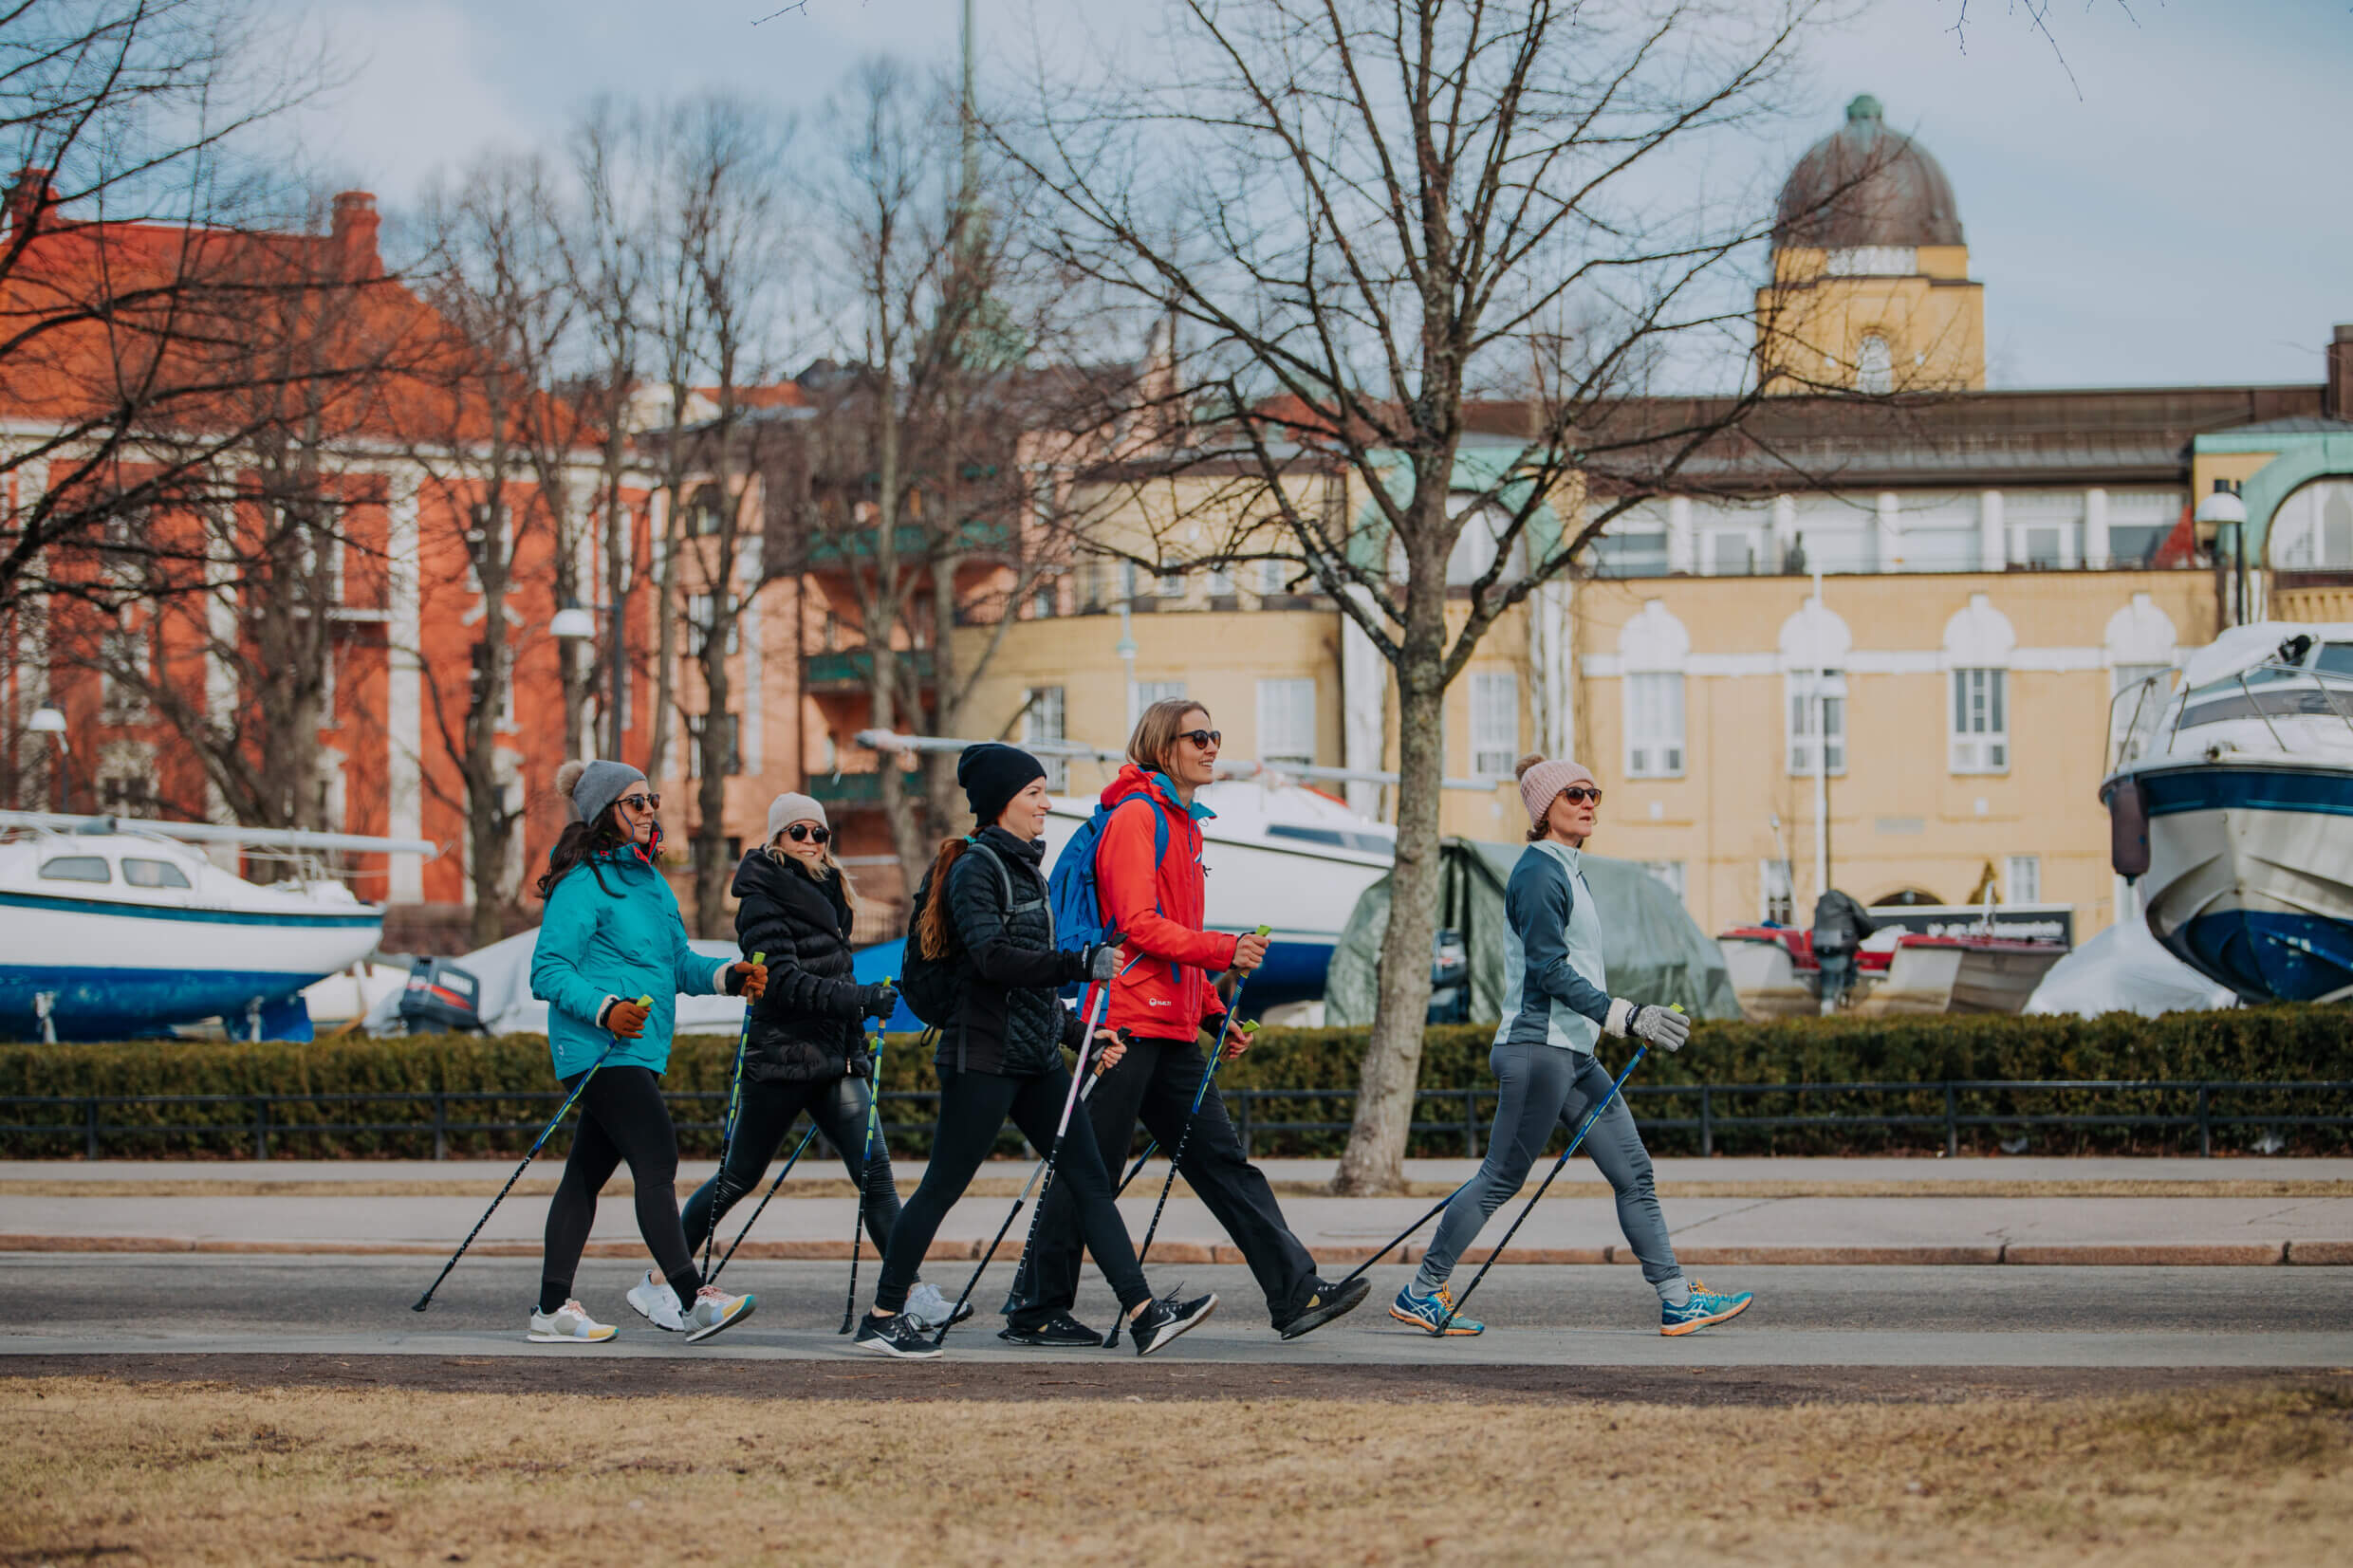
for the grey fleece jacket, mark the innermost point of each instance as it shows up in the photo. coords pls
(1555, 983)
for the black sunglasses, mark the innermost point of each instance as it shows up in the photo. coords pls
(801, 831)
(1577, 793)
(640, 802)
(1202, 738)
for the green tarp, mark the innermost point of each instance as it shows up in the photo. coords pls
(1654, 949)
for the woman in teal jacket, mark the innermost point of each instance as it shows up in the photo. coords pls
(611, 960)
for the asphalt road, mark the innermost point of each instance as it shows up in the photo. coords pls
(164, 1306)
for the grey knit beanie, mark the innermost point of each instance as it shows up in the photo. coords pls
(790, 808)
(597, 784)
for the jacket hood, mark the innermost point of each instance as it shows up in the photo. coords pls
(762, 873)
(1132, 780)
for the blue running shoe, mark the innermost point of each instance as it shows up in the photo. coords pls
(1432, 1313)
(1705, 1306)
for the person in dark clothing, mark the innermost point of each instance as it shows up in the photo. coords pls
(986, 909)
(1156, 901)
(807, 1047)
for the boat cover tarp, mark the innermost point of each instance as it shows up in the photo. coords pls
(2124, 970)
(1655, 950)
(509, 1007)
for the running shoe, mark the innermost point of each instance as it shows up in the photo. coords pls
(1705, 1306)
(570, 1324)
(1326, 1302)
(715, 1310)
(893, 1336)
(1165, 1318)
(1061, 1330)
(931, 1310)
(658, 1303)
(1432, 1313)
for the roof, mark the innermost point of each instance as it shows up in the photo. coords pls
(1865, 185)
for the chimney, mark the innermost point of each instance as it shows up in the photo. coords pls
(30, 197)
(2337, 393)
(355, 233)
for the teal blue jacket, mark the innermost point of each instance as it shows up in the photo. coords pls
(627, 942)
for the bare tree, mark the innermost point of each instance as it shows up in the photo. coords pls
(1442, 248)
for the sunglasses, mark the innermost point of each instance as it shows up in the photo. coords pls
(1579, 794)
(1205, 739)
(640, 802)
(802, 833)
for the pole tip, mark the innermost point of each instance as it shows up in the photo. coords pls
(422, 1302)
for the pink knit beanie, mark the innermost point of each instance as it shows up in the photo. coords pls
(1542, 781)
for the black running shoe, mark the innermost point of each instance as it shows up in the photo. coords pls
(1323, 1303)
(898, 1335)
(1164, 1319)
(1061, 1329)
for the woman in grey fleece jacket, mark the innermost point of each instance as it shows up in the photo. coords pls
(1555, 1008)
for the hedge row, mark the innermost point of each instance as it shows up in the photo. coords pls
(1314, 1067)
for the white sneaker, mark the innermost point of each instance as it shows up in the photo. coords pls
(930, 1309)
(658, 1303)
(714, 1309)
(570, 1324)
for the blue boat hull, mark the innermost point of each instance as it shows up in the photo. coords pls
(121, 1004)
(1293, 971)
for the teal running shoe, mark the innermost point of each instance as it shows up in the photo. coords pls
(1705, 1306)
(1432, 1313)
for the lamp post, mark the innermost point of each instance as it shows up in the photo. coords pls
(48, 721)
(2225, 507)
(578, 623)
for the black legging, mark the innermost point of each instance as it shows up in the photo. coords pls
(973, 1109)
(838, 1106)
(623, 1117)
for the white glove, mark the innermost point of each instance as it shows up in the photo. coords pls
(1660, 1027)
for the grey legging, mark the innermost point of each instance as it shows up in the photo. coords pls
(1542, 1087)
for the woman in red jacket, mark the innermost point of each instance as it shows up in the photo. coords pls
(1165, 1001)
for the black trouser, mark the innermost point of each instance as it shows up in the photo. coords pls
(838, 1106)
(623, 1117)
(973, 1109)
(1156, 1083)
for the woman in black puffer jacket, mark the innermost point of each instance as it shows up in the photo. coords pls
(807, 1049)
(1000, 1057)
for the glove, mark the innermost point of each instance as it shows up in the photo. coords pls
(626, 1018)
(1101, 961)
(749, 981)
(878, 1001)
(1660, 1027)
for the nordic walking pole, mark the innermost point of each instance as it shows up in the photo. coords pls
(1070, 1102)
(1400, 1238)
(1592, 1116)
(712, 1277)
(865, 1175)
(734, 1105)
(562, 1110)
(1216, 1059)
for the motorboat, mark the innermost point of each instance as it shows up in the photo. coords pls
(113, 928)
(1954, 968)
(2229, 796)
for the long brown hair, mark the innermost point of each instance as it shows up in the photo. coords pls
(826, 866)
(576, 846)
(930, 931)
(1156, 728)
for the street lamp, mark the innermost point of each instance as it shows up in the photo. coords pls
(2224, 507)
(577, 622)
(48, 721)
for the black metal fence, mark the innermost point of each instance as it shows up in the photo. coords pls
(2053, 1116)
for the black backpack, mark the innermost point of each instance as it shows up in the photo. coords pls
(931, 985)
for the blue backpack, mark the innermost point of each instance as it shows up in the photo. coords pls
(1071, 890)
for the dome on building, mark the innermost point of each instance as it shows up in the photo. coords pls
(1867, 186)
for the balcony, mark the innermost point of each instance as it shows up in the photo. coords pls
(851, 668)
(832, 551)
(846, 789)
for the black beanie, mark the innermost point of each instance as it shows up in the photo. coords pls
(993, 773)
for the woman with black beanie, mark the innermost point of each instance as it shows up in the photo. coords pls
(986, 910)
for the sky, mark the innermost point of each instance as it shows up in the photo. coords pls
(2157, 199)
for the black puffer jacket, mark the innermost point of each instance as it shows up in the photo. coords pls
(808, 1026)
(1009, 1018)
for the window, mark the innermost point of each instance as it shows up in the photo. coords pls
(1045, 600)
(1654, 725)
(317, 534)
(702, 613)
(507, 717)
(1875, 367)
(77, 868)
(1980, 721)
(124, 667)
(1127, 580)
(477, 541)
(1669, 875)
(2140, 712)
(1274, 579)
(1643, 554)
(1802, 690)
(1221, 583)
(1731, 554)
(2022, 879)
(1170, 585)
(1286, 721)
(731, 736)
(1150, 692)
(127, 795)
(1494, 723)
(2313, 527)
(1774, 902)
(152, 874)
(1475, 545)
(1042, 720)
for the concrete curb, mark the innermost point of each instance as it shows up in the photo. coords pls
(2072, 1255)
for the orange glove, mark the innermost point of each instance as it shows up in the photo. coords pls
(747, 981)
(628, 1019)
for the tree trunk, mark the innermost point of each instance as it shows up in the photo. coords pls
(714, 754)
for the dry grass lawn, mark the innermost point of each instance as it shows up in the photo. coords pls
(93, 1470)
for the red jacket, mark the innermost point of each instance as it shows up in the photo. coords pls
(1157, 910)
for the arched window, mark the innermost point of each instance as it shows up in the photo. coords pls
(1653, 648)
(1977, 644)
(2313, 530)
(1875, 366)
